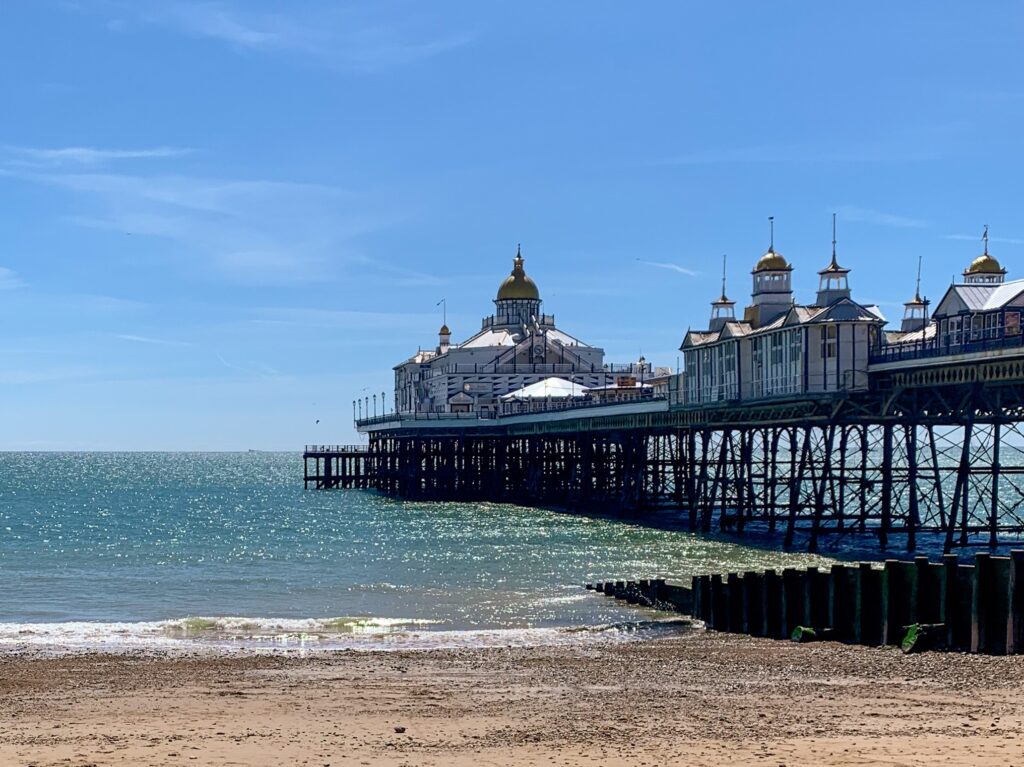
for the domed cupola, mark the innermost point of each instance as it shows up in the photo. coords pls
(985, 269)
(518, 301)
(772, 262)
(773, 288)
(518, 285)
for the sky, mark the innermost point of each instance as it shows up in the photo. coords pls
(221, 222)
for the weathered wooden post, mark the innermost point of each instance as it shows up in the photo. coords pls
(816, 597)
(948, 612)
(869, 604)
(845, 602)
(899, 591)
(705, 599)
(753, 603)
(1015, 603)
(658, 592)
(980, 601)
(792, 600)
(927, 609)
(631, 592)
(998, 605)
(772, 604)
(718, 611)
(735, 593)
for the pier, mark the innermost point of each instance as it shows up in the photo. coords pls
(803, 422)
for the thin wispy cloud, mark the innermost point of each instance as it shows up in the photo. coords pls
(400, 276)
(149, 340)
(82, 155)
(977, 238)
(878, 217)
(105, 304)
(338, 37)
(252, 231)
(9, 279)
(38, 375)
(340, 319)
(670, 267)
(258, 369)
(917, 144)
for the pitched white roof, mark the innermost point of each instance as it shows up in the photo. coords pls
(554, 334)
(981, 298)
(555, 388)
(488, 339)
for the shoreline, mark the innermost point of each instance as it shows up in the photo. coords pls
(700, 698)
(227, 637)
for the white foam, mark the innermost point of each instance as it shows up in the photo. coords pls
(240, 634)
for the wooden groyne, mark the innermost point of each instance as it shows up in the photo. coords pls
(948, 605)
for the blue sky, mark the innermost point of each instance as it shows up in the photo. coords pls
(222, 221)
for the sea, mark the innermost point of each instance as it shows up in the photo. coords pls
(227, 552)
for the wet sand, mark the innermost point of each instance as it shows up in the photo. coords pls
(701, 699)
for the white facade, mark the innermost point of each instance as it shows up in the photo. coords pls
(780, 348)
(515, 347)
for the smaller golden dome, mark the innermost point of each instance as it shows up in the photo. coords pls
(771, 262)
(984, 264)
(517, 284)
(444, 331)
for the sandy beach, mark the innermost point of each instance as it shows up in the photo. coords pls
(700, 699)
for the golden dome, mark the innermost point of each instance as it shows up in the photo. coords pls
(444, 331)
(771, 262)
(984, 264)
(517, 284)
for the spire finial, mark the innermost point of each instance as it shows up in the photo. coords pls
(518, 250)
(917, 288)
(834, 264)
(771, 228)
(984, 237)
(443, 303)
(723, 278)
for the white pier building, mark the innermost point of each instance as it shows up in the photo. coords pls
(516, 346)
(779, 347)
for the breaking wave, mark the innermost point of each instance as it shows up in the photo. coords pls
(240, 634)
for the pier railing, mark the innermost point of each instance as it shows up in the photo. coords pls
(347, 449)
(549, 368)
(423, 416)
(543, 406)
(917, 350)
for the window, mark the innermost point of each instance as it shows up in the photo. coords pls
(1013, 323)
(829, 343)
(776, 349)
(954, 331)
(992, 327)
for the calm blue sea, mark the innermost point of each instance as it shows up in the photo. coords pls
(228, 550)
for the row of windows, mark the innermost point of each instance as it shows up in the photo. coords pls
(777, 365)
(976, 327)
